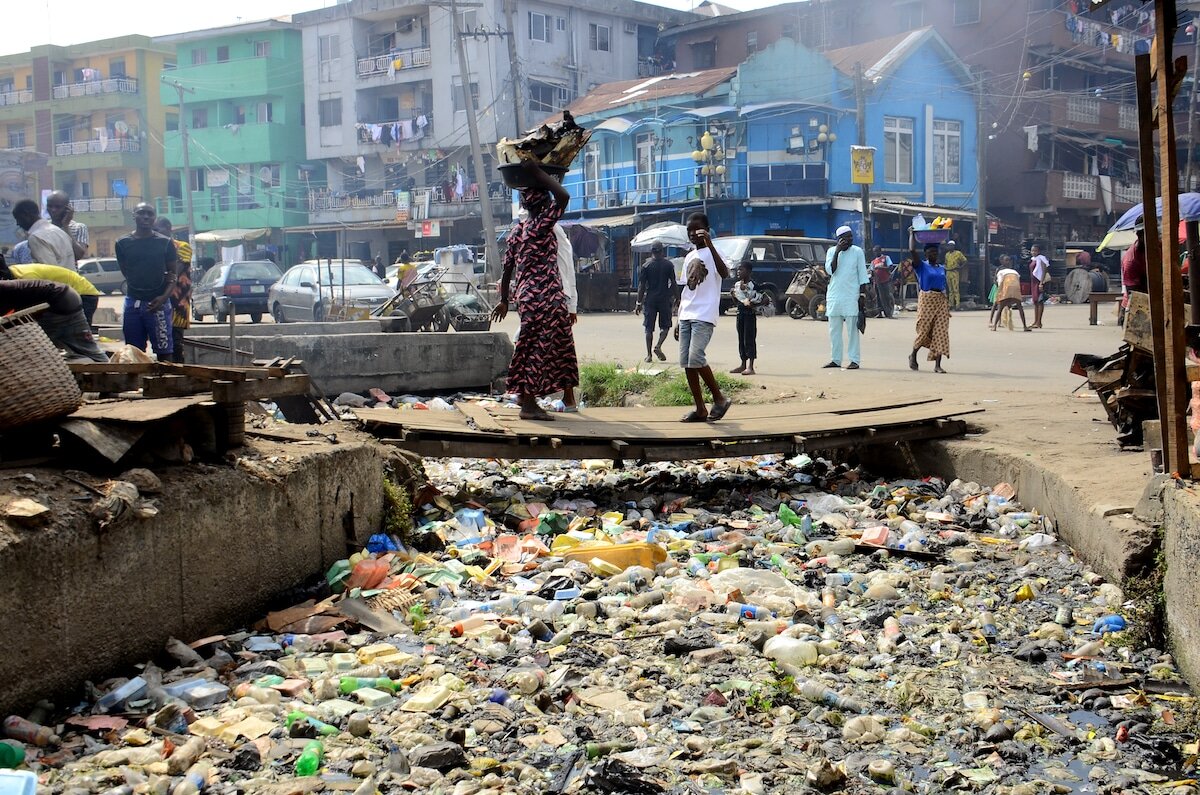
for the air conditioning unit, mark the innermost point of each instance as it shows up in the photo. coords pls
(631, 27)
(404, 25)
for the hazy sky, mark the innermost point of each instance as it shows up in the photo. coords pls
(33, 22)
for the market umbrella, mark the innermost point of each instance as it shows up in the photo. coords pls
(1118, 240)
(1189, 210)
(667, 233)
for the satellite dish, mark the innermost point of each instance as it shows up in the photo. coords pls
(264, 174)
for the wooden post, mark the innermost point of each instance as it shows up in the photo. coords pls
(1193, 249)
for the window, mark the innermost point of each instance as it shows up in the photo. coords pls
(263, 112)
(199, 118)
(647, 163)
(117, 186)
(966, 12)
(6, 85)
(599, 37)
(591, 170)
(460, 103)
(60, 77)
(468, 20)
(16, 137)
(172, 122)
(704, 54)
(542, 98)
(330, 112)
(174, 185)
(539, 30)
(197, 182)
(910, 15)
(752, 42)
(329, 53)
(269, 175)
(262, 49)
(560, 24)
(223, 53)
(199, 57)
(64, 131)
(947, 151)
(116, 67)
(897, 149)
(85, 190)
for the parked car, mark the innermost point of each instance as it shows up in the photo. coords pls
(295, 296)
(776, 261)
(234, 287)
(104, 274)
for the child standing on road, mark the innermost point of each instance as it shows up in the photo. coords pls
(748, 301)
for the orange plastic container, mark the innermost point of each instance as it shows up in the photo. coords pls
(368, 574)
(638, 553)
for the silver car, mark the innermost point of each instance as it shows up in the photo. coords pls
(349, 290)
(104, 274)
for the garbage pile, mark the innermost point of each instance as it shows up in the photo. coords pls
(766, 625)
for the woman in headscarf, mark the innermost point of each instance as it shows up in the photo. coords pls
(933, 306)
(544, 359)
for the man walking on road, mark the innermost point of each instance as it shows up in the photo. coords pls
(1039, 281)
(656, 298)
(845, 296)
(181, 296)
(149, 263)
(881, 278)
(699, 306)
(955, 262)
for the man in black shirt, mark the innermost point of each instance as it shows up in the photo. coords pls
(656, 295)
(63, 322)
(149, 263)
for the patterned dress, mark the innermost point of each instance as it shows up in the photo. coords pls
(544, 358)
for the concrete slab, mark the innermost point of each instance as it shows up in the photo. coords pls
(85, 602)
(289, 329)
(1181, 583)
(396, 363)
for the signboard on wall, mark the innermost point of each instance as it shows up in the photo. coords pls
(403, 205)
(427, 229)
(862, 165)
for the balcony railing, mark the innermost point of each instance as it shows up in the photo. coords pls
(394, 61)
(96, 146)
(1128, 117)
(319, 201)
(1082, 110)
(88, 88)
(370, 133)
(1127, 193)
(1078, 186)
(105, 205)
(763, 181)
(16, 97)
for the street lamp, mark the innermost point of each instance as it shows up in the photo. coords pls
(711, 159)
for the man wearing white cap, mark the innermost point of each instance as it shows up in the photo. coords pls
(845, 296)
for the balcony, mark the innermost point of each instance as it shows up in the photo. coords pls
(97, 153)
(1058, 31)
(1125, 195)
(115, 211)
(16, 97)
(1089, 114)
(226, 80)
(274, 207)
(367, 131)
(788, 180)
(425, 203)
(236, 143)
(394, 61)
(1048, 191)
(93, 88)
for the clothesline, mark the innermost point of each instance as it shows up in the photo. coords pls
(396, 132)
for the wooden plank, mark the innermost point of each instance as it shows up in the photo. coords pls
(1139, 331)
(109, 382)
(112, 367)
(259, 389)
(156, 386)
(143, 410)
(110, 440)
(482, 418)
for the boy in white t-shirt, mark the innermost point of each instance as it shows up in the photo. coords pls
(699, 306)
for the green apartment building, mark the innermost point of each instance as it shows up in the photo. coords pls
(239, 91)
(92, 109)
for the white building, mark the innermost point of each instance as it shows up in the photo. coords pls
(385, 109)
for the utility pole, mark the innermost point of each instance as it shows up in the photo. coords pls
(981, 219)
(860, 97)
(492, 252)
(187, 163)
(518, 73)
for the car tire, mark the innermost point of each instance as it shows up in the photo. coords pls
(318, 312)
(277, 313)
(221, 317)
(197, 314)
(770, 292)
(794, 309)
(816, 307)
(256, 317)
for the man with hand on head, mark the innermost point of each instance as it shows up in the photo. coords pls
(846, 296)
(699, 306)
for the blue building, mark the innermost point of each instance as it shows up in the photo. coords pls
(765, 146)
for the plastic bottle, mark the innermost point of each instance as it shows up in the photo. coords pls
(319, 725)
(459, 628)
(647, 599)
(195, 780)
(528, 682)
(367, 574)
(263, 695)
(891, 628)
(309, 761)
(838, 579)
(17, 728)
(708, 534)
(12, 754)
(817, 692)
(784, 649)
(348, 684)
(597, 750)
(987, 624)
(184, 756)
(749, 612)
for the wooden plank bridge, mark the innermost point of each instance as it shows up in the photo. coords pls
(656, 434)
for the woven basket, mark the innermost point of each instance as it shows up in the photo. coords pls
(35, 382)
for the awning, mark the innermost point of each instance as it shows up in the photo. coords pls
(613, 221)
(703, 113)
(929, 211)
(231, 235)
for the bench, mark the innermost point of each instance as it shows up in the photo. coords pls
(1094, 301)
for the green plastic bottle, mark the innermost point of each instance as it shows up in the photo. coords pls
(351, 683)
(321, 726)
(310, 759)
(12, 754)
